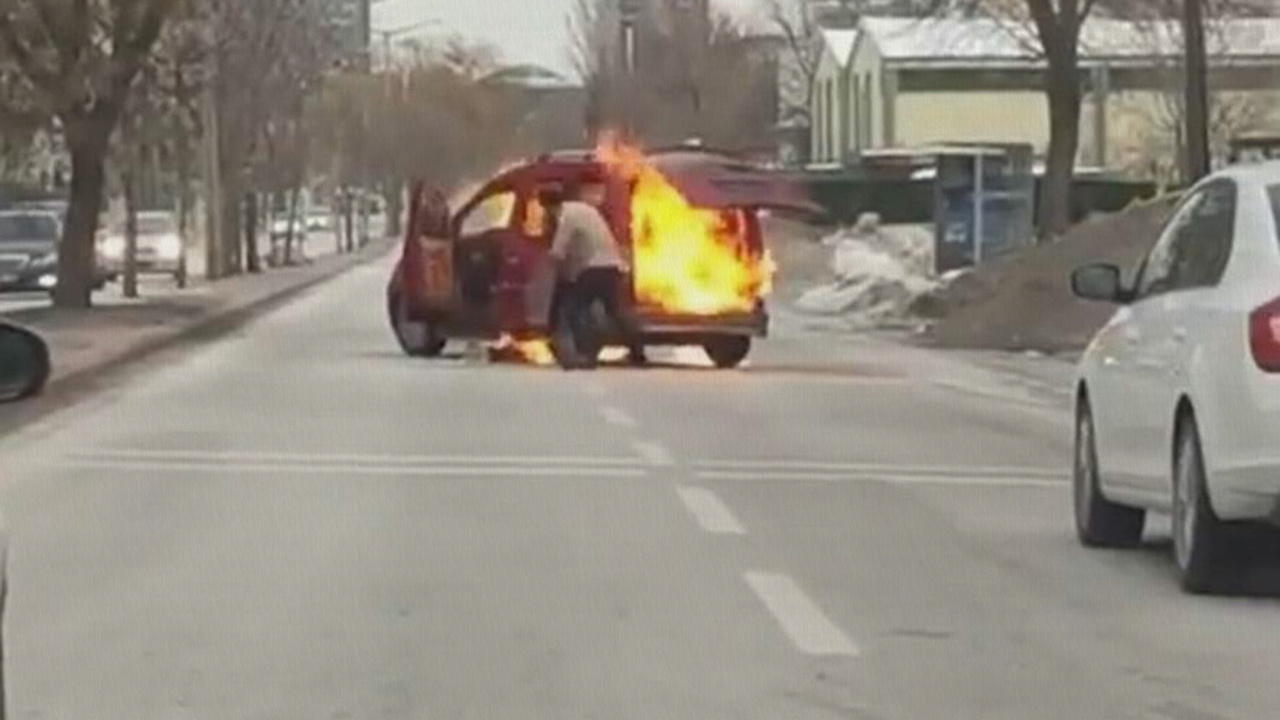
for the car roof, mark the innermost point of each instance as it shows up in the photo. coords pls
(1263, 173)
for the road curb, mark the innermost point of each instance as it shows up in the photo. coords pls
(64, 390)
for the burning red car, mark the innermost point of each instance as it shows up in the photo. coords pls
(686, 219)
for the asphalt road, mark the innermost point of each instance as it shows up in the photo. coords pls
(299, 522)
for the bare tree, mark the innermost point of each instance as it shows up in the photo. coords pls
(81, 57)
(800, 58)
(689, 78)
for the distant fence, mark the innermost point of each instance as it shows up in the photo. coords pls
(898, 200)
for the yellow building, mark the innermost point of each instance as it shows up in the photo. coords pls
(905, 82)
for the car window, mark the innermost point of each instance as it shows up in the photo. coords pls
(492, 213)
(535, 218)
(1203, 245)
(1157, 274)
(157, 224)
(27, 227)
(1195, 246)
(1273, 192)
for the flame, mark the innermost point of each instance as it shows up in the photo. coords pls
(534, 352)
(687, 260)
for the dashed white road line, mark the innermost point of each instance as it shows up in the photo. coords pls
(806, 466)
(617, 417)
(882, 479)
(349, 470)
(801, 619)
(711, 513)
(655, 454)
(265, 457)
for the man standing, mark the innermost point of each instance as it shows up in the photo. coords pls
(591, 267)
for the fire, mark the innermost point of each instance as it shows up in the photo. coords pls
(687, 259)
(532, 352)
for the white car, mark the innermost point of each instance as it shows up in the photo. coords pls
(1178, 404)
(160, 247)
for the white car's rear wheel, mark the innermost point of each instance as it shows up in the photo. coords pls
(1099, 522)
(1201, 542)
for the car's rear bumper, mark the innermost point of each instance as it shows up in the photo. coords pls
(659, 328)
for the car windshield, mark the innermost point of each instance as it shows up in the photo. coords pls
(26, 227)
(642, 360)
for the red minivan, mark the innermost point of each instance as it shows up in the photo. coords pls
(489, 273)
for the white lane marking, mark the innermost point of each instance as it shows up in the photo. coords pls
(936, 480)
(617, 417)
(655, 454)
(262, 457)
(801, 619)
(711, 513)
(233, 468)
(805, 466)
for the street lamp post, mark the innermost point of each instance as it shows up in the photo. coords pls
(628, 13)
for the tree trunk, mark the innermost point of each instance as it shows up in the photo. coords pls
(395, 208)
(252, 263)
(1199, 161)
(129, 180)
(293, 218)
(232, 221)
(76, 261)
(1064, 97)
(349, 221)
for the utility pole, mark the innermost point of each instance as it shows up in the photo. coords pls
(1198, 162)
(628, 14)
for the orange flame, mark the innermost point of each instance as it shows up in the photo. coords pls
(533, 352)
(687, 260)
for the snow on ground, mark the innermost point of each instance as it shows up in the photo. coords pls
(878, 272)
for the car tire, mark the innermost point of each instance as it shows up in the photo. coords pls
(728, 352)
(1201, 542)
(1099, 522)
(416, 338)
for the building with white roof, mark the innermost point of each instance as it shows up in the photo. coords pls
(907, 82)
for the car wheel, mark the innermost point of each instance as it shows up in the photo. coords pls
(1099, 522)
(416, 338)
(1200, 540)
(728, 352)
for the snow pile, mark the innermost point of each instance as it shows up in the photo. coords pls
(879, 271)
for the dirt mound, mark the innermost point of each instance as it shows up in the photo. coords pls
(1024, 302)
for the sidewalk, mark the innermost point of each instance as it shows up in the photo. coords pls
(84, 343)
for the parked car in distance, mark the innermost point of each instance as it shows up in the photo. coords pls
(1178, 399)
(320, 219)
(160, 247)
(29, 250)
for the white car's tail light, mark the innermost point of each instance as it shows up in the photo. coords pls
(1264, 336)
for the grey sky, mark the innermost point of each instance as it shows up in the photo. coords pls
(524, 31)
